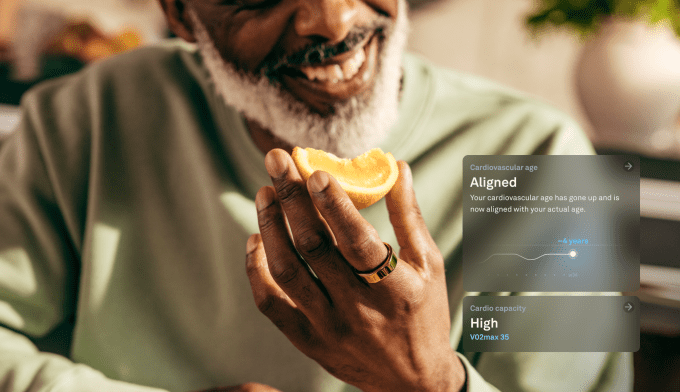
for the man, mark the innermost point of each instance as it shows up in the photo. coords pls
(129, 193)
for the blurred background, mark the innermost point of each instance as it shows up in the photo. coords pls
(612, 65)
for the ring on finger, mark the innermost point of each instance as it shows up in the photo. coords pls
(380, 272)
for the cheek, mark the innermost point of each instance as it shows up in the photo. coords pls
(250, 36)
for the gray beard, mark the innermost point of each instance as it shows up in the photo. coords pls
(356, 125)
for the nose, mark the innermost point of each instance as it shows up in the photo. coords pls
(330, 19)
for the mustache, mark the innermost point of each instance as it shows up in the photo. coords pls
(317, 53)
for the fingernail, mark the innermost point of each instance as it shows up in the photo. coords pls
(263, 199)
(276, 166)
(318, 182)
(251, 245)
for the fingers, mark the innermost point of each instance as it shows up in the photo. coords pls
(270, 299)
(284, 266)
(313, 239)
(360, 244)
(357, 240)
(409, 226)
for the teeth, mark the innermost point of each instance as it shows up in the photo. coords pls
(336, 72)
(351, 66)
(317, 73)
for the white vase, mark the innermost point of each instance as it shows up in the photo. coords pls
(628, 82)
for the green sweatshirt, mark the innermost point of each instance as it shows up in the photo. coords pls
(126, 198)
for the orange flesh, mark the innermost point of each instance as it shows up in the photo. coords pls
(353, 172)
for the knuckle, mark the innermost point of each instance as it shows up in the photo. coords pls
(398, 224)
(267, 219)
(313, 244)
(435, 260)
(252, 267)
(340, 206)
(408, 305)
(363, 248)
(297, 329)
(267, 305)
(415, 298)
(305, 332)
(334, 203)
(412, 298)
(417, 214)
(279, 322)
(288, 190)
(284, 273)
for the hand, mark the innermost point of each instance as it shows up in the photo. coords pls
(249, 387)
(392, 335)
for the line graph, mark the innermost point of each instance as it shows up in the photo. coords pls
(530, 267)
(572, 253)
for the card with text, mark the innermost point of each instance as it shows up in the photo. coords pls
(551, 223)
(593, 323)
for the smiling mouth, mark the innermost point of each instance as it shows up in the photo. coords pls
(338, 78)
(339, 68)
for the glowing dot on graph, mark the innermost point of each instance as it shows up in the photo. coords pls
(573, 254)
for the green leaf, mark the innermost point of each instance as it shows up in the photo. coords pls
(584, 16)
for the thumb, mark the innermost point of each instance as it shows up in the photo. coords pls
(415, 241)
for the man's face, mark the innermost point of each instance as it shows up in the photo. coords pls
(321, 51)
(314, 73)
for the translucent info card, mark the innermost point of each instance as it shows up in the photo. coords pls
(551, 223)
(551, 323)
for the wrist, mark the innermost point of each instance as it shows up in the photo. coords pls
(460, 375)
(447, 374)
(451, 376)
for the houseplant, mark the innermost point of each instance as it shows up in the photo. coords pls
(586, 16)
(628, 75)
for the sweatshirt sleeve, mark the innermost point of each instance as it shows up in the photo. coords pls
(474, 382)
(41, 224)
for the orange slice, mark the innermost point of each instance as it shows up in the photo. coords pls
(366, 178)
